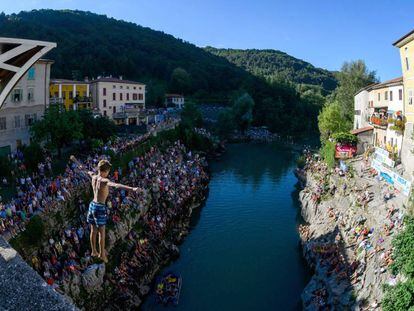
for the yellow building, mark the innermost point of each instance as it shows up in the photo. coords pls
(73, 94)
(406, 47)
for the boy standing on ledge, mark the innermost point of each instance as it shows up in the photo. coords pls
(97, 214)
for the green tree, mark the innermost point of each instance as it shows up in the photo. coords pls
(243, 111)
(191, 116)
(96, 127)
(33, 155)
(331, 121)
(353, 76)
(225, 123)
(180, 81)
(58, 128)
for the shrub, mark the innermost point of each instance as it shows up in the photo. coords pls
(328, 153)
(345, 138)
(401, 296)
(301, 161)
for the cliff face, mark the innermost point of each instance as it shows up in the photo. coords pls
(347, 236)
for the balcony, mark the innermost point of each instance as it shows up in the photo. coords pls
(56, 101)
(82, 99)
(377, 121)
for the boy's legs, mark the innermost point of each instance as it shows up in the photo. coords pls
(94, 231)
(102, 252)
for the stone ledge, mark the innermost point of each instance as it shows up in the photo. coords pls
(21, 288)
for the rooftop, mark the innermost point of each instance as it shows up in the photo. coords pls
(395, 81)
(404, 39)
(116, 80)
(174, 95)
(362, 130)
(67, 81)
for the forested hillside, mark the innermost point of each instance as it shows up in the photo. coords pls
(91, 45)
(273, 64)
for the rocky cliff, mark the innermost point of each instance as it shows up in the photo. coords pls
(347, 235)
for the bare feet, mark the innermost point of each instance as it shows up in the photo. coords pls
(103, 257)
(94, 254)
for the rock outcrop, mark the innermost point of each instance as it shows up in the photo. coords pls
(347, 237)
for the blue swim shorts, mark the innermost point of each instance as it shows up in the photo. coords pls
(97, 214)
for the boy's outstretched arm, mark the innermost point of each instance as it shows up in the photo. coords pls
(121, 186)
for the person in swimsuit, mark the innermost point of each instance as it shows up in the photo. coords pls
(97, 212)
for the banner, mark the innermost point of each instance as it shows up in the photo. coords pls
(392, 177)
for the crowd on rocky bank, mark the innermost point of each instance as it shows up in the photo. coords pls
(350, 217)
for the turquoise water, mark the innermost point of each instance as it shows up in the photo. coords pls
(243, 249)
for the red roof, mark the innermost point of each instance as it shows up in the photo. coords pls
(362, 130)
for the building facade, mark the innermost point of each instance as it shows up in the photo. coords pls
(25, 104)
(73, 95)
(406, 48)
(174, 100)
(362, 109)
(387, 107)
(120, 100)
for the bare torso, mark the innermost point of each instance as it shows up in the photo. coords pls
(100, 189)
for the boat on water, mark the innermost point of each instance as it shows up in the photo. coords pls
(168, 289)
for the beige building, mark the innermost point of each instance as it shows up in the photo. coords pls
(406, 47)
(25, 104)
(120, 100)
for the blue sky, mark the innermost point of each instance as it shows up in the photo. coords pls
(323, 32)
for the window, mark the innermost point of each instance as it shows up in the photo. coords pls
(30, 94)
(114, 109)
(16, 122)
(390, 95)
(121, 87)
(141, 96)
(104, 91)
(3, 124)
(104, 113)
(29, 119)
(70, 95)
(113, 96)
(17, 95)
(135, 87)
(104, 103)
(56, 94)
(410, 97)
(400, 94)
(127, 96)
(114, 86)
(357, 112)
(31, 73)
(407, 65)
(386, 95)
(127, 87)
(120, 96)
(379, 96)
(140, 88)
(134, 96)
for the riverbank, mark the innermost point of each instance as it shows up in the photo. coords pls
(347, 235)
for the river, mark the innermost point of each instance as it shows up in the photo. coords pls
(243, 250)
